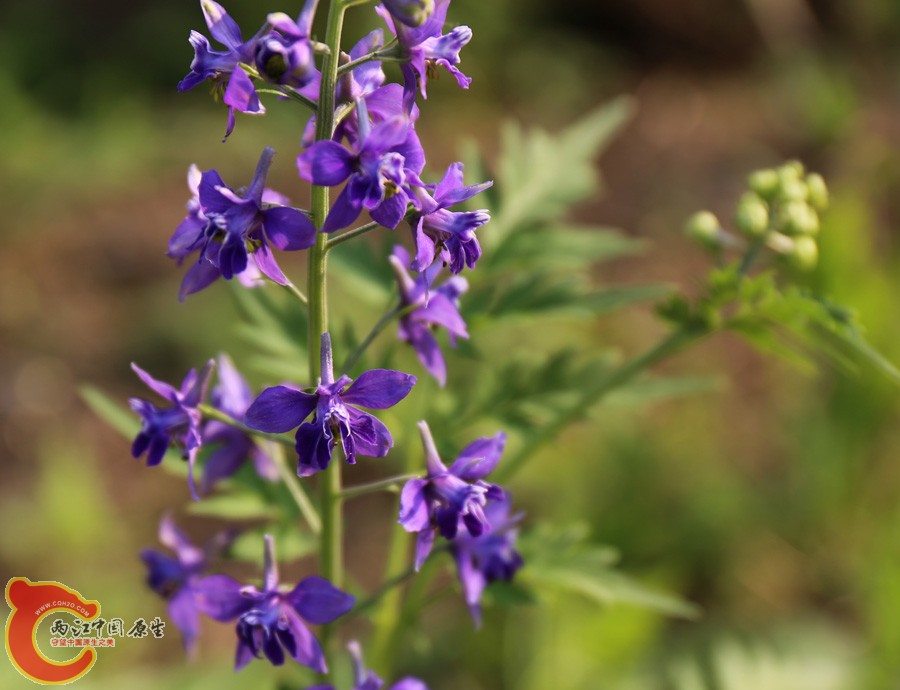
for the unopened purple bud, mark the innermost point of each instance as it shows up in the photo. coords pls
(285, 60)
(410, 12)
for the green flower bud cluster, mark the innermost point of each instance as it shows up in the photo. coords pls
(780, 210)
(792, 200)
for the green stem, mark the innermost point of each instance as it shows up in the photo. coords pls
(297, 492)
(389, 484)
(674, 342)
(392, 582)
(350, 234)
(211, 412)
(382, 323)
(331, 537)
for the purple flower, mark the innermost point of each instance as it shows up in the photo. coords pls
(425, 47)
(177, 423)
(433, 308)
(491, 556)
(229, 228)
(365, 679)
(280, 409)
(271, 622)
(174, 578)
(446, 498)
(232, 396)
(284, 55)
(449, 235)
(222, 66)
(382, 166)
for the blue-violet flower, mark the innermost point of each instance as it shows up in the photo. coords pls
(228, 228)
(271, 622)
(426, 309)
(382, 167)
(488, 557)
(446, 498)
(450, 235)
(365, 679)
(177, 423)
(280, 409)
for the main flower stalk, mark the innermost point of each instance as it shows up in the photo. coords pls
(331, 536)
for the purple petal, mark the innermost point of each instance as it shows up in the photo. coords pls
(387, 136)
(479, 458)
(200, 275)
(243, 655)
(390, 211)
(318, 601)
(427, 350)
(378, 389)
(161, 388)
(425, 249)
(288, 229)
(371, 437)
(221, 26)
(241, 95)
(183, 615)
(306, 649)
(175, 539)
(224, 462)
(450, 189)
(194, 390)
(414, 506)
(443, 312)
(314, 448)
(325, 163)
(158, 447)
(424, 543)
(473, 583)
(220, 598)
(232, 394)
(344, 210)
(265, 262)
(279, 409)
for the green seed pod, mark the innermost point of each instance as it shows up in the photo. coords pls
(704, 227)
(818, 191)
(805, 254)
(800, 219)
(764, 182)
(752, 215)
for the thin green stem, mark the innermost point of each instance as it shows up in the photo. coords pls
(350, 234)
(331, 563)
(383, 53)
(668, 346)
(389, 484)
(391, 583)
(382, 323)
(291, 481)
(211, 412)
(751, 255)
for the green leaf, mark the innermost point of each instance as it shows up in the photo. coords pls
(290, 544)
(565, 247)
(236, 506)
(653, 389)
(124, 421)
(566, 560)
(543, 175)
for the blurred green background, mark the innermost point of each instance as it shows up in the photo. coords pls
(771, 502)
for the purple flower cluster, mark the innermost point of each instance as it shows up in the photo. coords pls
(470, 513)
(373, 157)
(270, 622)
